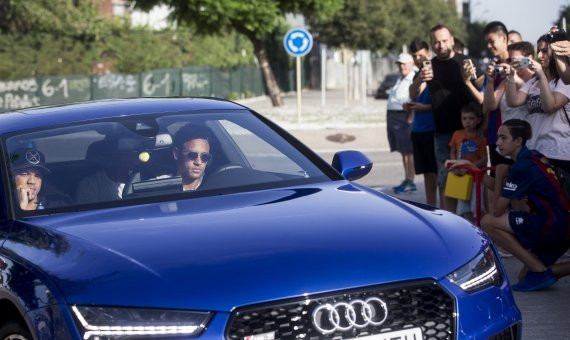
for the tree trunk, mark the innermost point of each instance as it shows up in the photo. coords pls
(272, 87)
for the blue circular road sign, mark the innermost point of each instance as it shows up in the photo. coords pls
(298, 42)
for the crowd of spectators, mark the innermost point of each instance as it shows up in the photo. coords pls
(446, 115)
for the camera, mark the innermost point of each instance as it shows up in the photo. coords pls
(524, 62)
(499, 68)
(427, 63)
(559, 35)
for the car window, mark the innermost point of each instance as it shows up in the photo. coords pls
(129, 160)
(260, 154)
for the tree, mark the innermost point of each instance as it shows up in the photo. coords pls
(564, 13)
(476, 42)
(45, 37)
(80, 19)
(255, 19)
(385, 25)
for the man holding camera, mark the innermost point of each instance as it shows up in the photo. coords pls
(496, 35)
(448, 94)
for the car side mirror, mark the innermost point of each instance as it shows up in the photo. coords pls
(351, 164)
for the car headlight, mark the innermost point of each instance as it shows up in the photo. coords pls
(112, 322)
(481, 272)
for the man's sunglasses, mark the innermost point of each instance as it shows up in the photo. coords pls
(204, 157)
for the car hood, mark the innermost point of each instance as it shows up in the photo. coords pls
(218, 253)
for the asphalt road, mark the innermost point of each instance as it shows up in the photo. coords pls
(360, 126)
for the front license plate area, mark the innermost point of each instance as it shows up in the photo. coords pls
(404, 334)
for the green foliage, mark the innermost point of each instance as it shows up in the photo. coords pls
(385, 25)
(253, 18)
(138, 50)
(128, 50)
(476, 41)
(80, 19)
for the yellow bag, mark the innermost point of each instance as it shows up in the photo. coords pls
(458, 186)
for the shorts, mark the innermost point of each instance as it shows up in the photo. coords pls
(399, 132)
(528, 230)
(424, 152)
(442, 153)
(470, 206)
(496, 158)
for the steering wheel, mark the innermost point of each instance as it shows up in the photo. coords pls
(227, 167)
(133, 178)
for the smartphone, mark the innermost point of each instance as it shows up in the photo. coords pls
(470, 62)
(427, 63)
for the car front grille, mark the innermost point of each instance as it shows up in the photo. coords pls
(422, 304)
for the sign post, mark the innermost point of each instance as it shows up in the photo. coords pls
(298, 42)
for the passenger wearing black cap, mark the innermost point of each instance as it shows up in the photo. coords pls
(28, 169)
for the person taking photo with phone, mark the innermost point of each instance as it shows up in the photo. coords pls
(448, 94)
(422, 126)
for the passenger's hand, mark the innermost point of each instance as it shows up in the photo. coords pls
(23, 196)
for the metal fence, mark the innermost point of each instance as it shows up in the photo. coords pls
(189, 81)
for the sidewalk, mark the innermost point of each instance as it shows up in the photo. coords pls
(337, 127)
(315, 116)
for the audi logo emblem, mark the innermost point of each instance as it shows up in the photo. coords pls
(343, 316)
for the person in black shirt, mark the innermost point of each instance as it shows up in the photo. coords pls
(448, 94)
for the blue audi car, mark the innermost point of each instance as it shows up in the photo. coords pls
(200, 219)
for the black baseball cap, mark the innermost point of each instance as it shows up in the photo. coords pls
(28, 158)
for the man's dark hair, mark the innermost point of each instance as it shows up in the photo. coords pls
(440, 27)
(495, 27)
(524, 47)
(519, 128)
(192, 131)
(417, 45)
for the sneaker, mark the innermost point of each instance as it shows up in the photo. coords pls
(535, 281)
(398, 188)
(407, 187)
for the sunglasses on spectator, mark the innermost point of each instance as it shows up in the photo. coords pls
(204, 156)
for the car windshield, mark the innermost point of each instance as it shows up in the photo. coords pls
(138, 159)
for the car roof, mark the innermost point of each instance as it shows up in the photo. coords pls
(53, 115)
